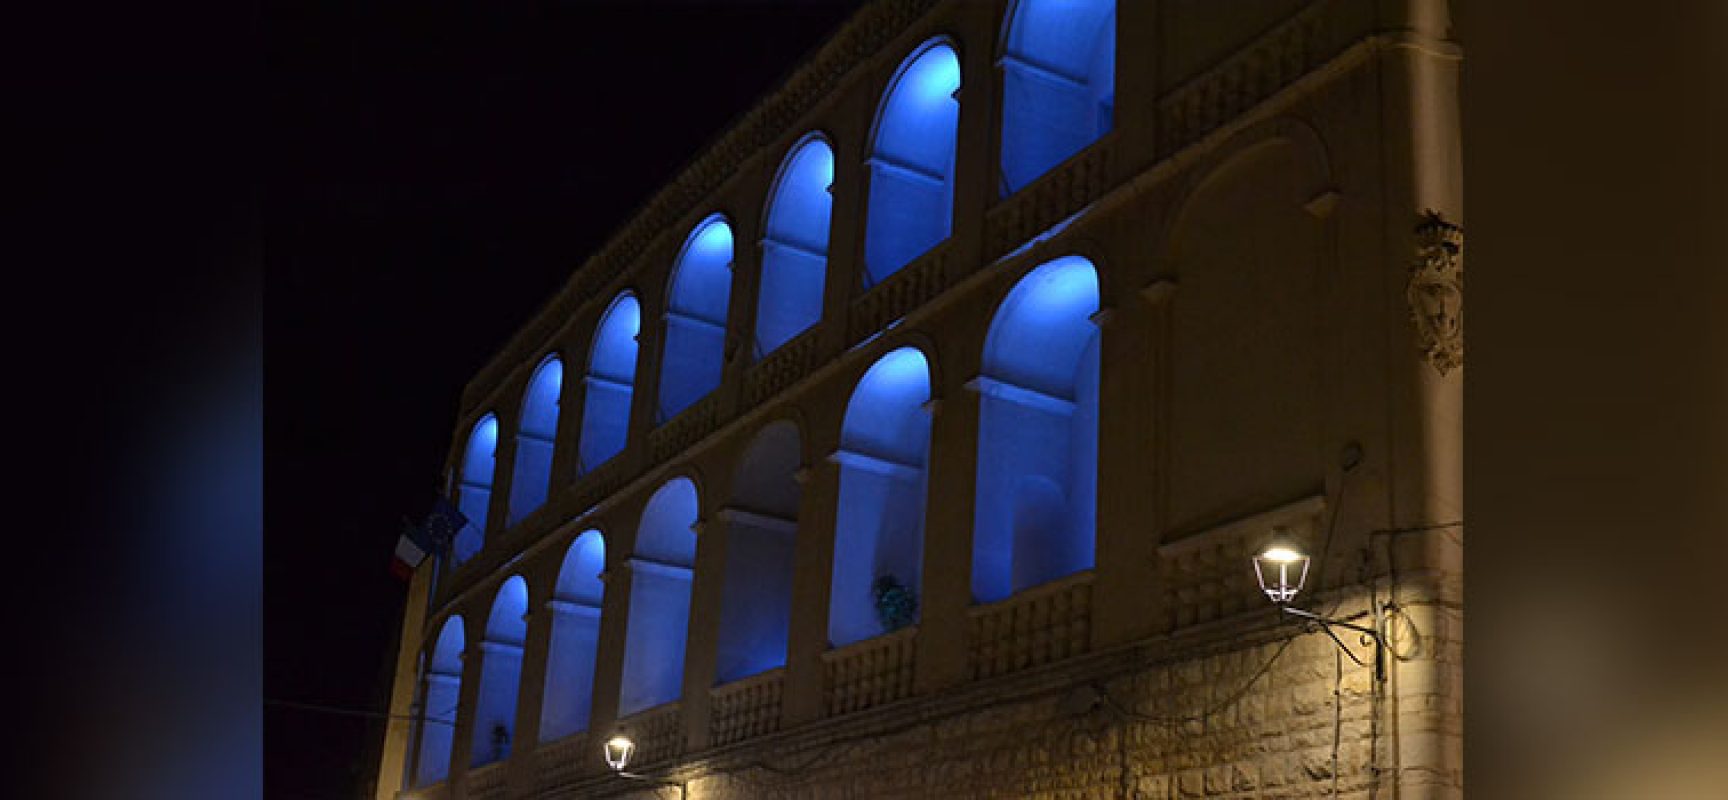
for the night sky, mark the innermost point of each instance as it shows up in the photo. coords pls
(437, 171)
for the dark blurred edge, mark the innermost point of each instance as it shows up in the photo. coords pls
(1597, 399)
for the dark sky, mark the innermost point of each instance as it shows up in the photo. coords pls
(436, 172)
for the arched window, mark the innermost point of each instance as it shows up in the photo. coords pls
(474, 487)
(879, 529)
(608, 384)
(696, 302)
(795, 247)
(761, 525)
(500, 673)
(912, 162)
(1038, 433)
(535, 435)
(660, 572)
(575, 638)
(442, 691)
(1058, 84)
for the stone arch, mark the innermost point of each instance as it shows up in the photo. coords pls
(1315, 165)
(1245, 399)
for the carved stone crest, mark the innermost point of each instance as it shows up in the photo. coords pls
(1436, 292)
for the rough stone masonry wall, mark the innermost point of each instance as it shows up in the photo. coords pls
(1260, 711)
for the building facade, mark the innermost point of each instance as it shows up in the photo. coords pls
(915, 441)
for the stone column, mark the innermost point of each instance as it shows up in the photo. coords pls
(401, 738)
(572, 393)
(1139, 45)
(702, 642)
(531, 683)
(976, 136)
(1132, 407)
(1423, 243)
(846, 231)
(462, 738)
(813, 562)
(503, 468)
(948, 514)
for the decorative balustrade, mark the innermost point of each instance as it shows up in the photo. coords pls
(658, 733)
(781, 368)
(915, 284)
(1056, 196)
(684, 430)
(487, 782)
(1038, 626)
(603, 481)
(1271, 62)
(747, 708)
(560, 762)
(869, 673)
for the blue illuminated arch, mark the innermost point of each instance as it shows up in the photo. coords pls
(500, 673)
(696, 303)
(912, 162)
(1038, 433)
(443, 690)
(795, 246)
(575, 607)
(761, 526)
(536, 434)
(660, 575)
(883, 456)
(474, 487)
(608, 384)
(1058, 84)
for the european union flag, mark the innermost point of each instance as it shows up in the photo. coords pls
(442, 523)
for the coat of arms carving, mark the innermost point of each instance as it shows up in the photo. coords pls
(1436, 292)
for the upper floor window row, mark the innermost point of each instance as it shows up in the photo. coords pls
(1058, 96)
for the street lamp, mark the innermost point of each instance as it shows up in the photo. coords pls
(620, 748)
(1281, 568)
(618, 751)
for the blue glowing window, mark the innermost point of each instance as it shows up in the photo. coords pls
(795, 247)
(1038, 433)
(911, 205)
(761, 526)
(697, 301)
(660, 576)
(474, 488)
(500, 673)
(609, 384)
(535, 438)
(575, 608)
(1058, 84)
(879, 530)
(442, 690)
